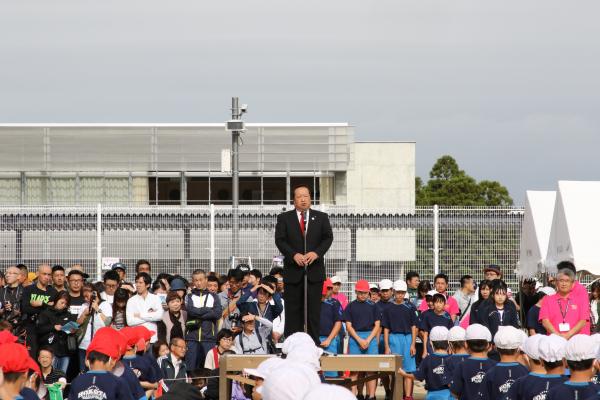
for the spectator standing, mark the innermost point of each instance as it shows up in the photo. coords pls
(121, 268)
(483, 294)
(76, 300)
(50, 374)
(143, 266)
(465, 296)
(173, 320)
(24, 275)
(337, 291)
(533, 323)
(50, 329)
(111, 284)
(229, 298)
(277, 273)
(10, 296)
(526, 298)
(119, 309)
(595, 306)
(249, 341)
(35, 299)
(59, 278)
(579, 294)
(203, 311)
(440, 283)
(498, 311)
(560, 313)
(412, 283)
(144, 308)
(261, 306)
(93, 315)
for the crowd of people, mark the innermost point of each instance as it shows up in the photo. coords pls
(163, 336)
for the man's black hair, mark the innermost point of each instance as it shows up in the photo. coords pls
(141, 262)
(552, 364)
(94, 356)
(256, 273)
(302, 185)
(174, 341)
(276, 271)
(144, 276)
(464, 279)
(236, 274)
(441, 276)
(111, 276)
(439, 344)
(438, 298)
(580, 365)
(58, 268)
(224, 333)
(48, 349)
(22, 267)
(477, 345)
(507, 352)
(566, 265)
(269, 279)
(198, 272)
(411, 274)
(212, 278)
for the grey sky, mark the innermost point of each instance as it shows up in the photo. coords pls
(509, 88)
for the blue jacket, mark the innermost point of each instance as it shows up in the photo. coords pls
(204, 311)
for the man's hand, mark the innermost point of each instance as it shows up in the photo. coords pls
(310, 257)
(325, 343)
(36, 303)
(300, 259)
(268, 289)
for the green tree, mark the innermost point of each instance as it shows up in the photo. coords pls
(448, 185)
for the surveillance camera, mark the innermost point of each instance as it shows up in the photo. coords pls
(244, 108)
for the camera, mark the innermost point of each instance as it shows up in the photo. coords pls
(236, 320)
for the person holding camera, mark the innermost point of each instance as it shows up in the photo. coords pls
(203, 312)
(258, 302)
(10, 296)
(249, 341)
(93, 315)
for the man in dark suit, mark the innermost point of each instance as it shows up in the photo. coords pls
(291, 228)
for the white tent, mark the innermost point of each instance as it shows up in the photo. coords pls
(574, 234)
(535, 232)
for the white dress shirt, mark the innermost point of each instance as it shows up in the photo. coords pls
(149, 309)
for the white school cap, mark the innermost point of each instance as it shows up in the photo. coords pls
(385, 284)
(531, 346)
(457, 334)
(432, 292)
(308, 354)
(552, 348)
(265, 367)
(336, 279)
(297, 339)
(478, 332)
(581, 347)
(509, 337)
(291, 381)
(547, 290)
(400, 286)
(333, 392)
(438, 333)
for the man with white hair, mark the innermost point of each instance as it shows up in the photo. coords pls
(561, 313)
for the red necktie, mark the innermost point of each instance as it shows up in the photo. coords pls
(302, 228)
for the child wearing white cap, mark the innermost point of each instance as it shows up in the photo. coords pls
(545, 355)
(385, 301)
(499, 379)
(432, 368)
(467, 379)
(580, 354)
(458, 349)
(399, 323)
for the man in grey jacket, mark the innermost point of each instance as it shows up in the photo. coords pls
(466, 295)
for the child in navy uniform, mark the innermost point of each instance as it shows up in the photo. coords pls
(502, 376)
(432, 368)
(533, 323)
(545, 355)
(331, 322)
(400, 333)
(362, 321)
(580, 354)
(467, 379)
(385, 301)
(98, 382)
(458, 350)
(500, 311)
(437, 316)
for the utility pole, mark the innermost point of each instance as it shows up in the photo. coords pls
(236, 126)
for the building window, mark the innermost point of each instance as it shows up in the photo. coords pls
(164, 191)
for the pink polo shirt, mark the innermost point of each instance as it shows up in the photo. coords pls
(451, 305)
(341, 297)
(554, 307)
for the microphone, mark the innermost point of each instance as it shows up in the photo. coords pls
(305, 220)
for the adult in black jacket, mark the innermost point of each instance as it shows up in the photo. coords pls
(49, 329)
(298, 260)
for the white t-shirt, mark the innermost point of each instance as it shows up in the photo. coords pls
(106, 310)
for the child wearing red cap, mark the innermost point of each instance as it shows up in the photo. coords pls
(362, 322)
(98, 383)
(15, 363)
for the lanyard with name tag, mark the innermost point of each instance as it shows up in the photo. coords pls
(565, 326)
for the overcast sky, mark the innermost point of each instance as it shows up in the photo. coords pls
(511, 89)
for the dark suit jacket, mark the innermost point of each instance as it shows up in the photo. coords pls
(289, 241)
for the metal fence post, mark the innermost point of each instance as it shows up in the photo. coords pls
(436, 239)
(99, 242)
(212, 238)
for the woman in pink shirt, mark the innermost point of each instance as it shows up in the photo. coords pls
(337, 294)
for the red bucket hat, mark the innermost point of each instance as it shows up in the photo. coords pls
(362, 285)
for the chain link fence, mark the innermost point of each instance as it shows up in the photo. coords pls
(368, 244)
